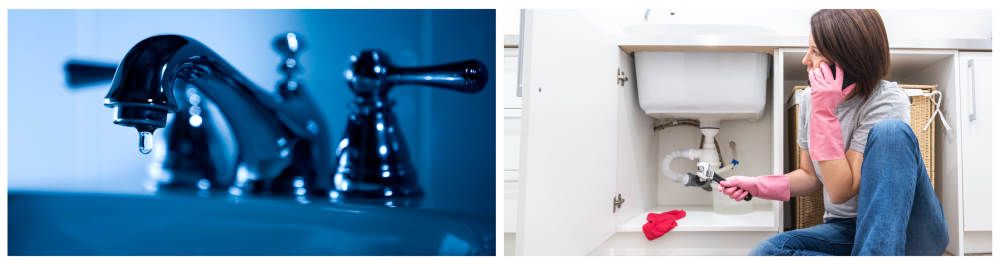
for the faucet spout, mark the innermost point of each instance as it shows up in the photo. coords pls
(171, 73)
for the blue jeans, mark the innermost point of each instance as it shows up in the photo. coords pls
(898, 213)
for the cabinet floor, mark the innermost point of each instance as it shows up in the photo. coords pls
(702, 218)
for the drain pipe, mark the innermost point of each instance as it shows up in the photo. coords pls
(691, 154)
(707, 157)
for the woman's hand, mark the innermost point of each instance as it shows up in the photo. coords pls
(773, 187)
(826, 141)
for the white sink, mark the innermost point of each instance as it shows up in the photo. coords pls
(697, 29)
(726, 85)
(695, 85)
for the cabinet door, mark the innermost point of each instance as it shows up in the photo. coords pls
(976, 139)
(569, 135)
(510, 98)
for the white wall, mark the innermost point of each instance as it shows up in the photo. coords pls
(511, 21)
(910, 23)
(899, 23)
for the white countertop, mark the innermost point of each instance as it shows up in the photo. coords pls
(630, 43)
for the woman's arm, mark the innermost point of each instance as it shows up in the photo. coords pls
(797, 183)
(804, 181)
(842, 177)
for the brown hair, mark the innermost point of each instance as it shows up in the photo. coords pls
(855, 40)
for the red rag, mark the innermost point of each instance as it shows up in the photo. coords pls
(660, 223)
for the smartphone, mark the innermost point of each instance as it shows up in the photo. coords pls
(848, 80)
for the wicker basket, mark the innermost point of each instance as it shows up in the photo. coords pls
(808, 210)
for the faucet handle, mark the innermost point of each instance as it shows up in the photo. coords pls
(372, 72)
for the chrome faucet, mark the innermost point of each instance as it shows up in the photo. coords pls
(373, 158)
(279, 142)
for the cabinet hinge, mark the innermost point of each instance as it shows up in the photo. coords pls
(621, 77)
(618, 203)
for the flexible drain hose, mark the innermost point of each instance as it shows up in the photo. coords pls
(683, 153)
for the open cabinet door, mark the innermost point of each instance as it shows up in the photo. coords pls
(568, 135)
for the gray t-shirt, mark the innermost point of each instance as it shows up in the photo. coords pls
(857, 117)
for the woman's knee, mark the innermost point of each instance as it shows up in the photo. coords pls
(771, 246)
(891, 130)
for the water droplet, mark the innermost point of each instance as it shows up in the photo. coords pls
(145, 141)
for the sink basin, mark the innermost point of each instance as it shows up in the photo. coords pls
(697, 29)
(717, 85)
(695, 85)
(185, 224)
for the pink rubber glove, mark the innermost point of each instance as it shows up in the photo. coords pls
(826, 142)
(772, 187)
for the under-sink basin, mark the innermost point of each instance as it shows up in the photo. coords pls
(697, 29)
(716, 85)
(186, 224)
(702, 84)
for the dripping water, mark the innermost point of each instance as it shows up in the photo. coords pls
(145, 141)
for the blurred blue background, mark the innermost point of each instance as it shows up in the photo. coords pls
(62, 138)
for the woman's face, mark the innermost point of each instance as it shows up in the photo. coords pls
(813, 58)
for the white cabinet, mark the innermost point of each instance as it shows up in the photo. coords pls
(512, 144)
(963, 154)
(975, 70)
(510, 98)
(568, 135)
(584, 140)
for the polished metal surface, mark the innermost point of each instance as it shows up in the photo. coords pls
(972, 88)
(373, 160)
(520, 55)
(85, 73)
(280, 140)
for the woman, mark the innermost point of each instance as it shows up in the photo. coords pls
(878, 197)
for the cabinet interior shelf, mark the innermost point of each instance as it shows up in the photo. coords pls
(702, 218)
